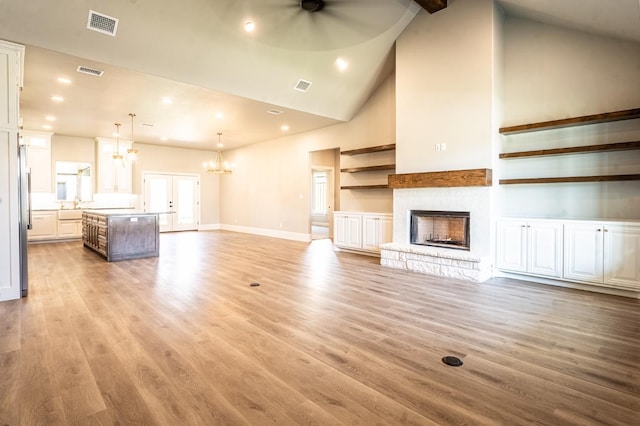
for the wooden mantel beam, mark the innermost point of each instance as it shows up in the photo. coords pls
(432, 6)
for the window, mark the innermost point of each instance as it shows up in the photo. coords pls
(319, 180)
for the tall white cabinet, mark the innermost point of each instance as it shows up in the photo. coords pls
(11, 65)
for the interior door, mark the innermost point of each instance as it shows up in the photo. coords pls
(178, 195)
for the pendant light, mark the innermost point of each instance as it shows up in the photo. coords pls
(132, 153)
(118, 159)
(218, 166)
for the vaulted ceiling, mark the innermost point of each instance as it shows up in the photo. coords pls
(221, 77)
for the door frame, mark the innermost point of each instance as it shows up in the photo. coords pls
(146, 173)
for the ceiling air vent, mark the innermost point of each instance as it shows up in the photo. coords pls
(102, 23)
(274, 111)
(302, 85)
(90, 71)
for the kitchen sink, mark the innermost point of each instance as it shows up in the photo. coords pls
(70, 214)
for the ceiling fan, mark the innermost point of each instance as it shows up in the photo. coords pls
(319, 24)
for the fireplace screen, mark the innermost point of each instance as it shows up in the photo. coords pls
(440, 229)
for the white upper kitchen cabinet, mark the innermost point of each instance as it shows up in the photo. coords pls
(114, 175)
(38, 159)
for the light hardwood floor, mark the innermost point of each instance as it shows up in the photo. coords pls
(327, 338)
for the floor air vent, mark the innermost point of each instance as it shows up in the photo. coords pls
(302, 85)
(90, 71)
(102, 23)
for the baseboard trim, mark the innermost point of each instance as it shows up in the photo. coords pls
(569, 284)
(285, 235)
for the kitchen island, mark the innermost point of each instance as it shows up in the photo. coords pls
(121, 234)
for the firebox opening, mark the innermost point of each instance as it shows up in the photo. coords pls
(440, 229)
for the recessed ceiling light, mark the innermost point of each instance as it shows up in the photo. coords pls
(274, 111)
(47, 127)
(50, 118)
(57, 98)
(284, 128)
(342, 64)
(249, 26)
(167, 101)
(64, 80)
(148, 124)
(164, 139)
(219, 115)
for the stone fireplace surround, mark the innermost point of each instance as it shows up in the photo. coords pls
(472, 265)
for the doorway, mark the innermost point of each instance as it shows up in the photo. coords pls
(323, 200)
(176, 194)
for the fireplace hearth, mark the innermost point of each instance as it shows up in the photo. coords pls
(440, 229)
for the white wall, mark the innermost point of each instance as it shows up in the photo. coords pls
(270, 188)
(447, 77)
(553, 73)
(162, 159)
(444, 67)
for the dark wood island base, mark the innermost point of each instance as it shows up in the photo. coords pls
(120, 235)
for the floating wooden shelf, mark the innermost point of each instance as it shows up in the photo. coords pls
(369, 168)
(370, 149)
(574, 121)
(446, 179)
(570, 179)
(365, 187)
(622, 146)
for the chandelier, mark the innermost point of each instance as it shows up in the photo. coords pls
(118, 159)
(132, 153)
(218, 166)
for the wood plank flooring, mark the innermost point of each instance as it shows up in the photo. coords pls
(327, 338)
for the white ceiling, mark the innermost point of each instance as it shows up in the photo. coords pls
(197, 53)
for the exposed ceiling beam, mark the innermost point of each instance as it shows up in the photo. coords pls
(432, 6)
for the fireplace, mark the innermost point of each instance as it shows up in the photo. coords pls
(440, 229)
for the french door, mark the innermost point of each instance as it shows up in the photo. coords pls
(178, 195)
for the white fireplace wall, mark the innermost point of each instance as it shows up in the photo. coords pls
(477, 201)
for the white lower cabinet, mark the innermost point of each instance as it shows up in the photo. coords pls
(70, 228)
(603, 254)
(530, 246)
(600, 253)
(362, 231)
(44, 225)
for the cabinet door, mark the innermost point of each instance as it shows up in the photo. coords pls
(340, 230)
(544, 248)
(511, 246)
(348, 231)
(622, 256)
(583, 257)
(39, 160)
(70, 228)
(44, 225)
(113, 175)
(371, 232)
(376, 229)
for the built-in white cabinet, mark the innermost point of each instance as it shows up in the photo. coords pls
(362, 231)
(376, 229)
(114, 175)
(38, 159)
(530, 246)
(44, 225)
(70, 228)
(603, 254)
